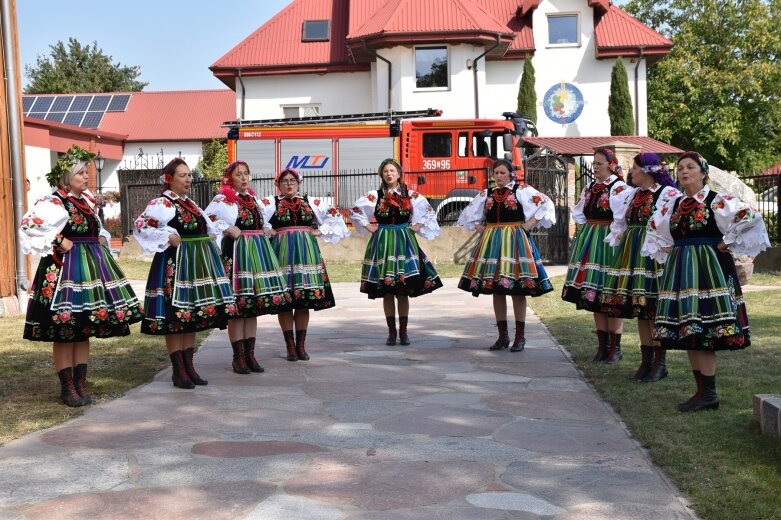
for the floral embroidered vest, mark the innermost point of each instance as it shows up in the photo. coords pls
(82, 221)
(292, 212)
(392, 208)
(189, 221)
(597, 206)
(502, 205)
(249, 217)
(694, 218)
(642, 207)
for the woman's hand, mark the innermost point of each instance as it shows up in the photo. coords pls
(232, 232)
(269, 232)
(103, 241)
(416, 228)
(174, 240)
(721, 246)
(479, 228)
(371, 228)
(667, 249)
(530, 224)
(316, 233)
(65, 246)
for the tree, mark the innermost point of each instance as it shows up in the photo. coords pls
(717, 92)
(80, 69)
(619, 105)
(214, 160)
(527, 95)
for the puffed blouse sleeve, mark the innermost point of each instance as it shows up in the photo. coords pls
(329, 221)
(474, 213)
(537, 205)
(41, 225)
(423, 214)
(362, 212)
(577, 212)
(623, 200)
(742, 226)
(268, 205)
(658, 234)
(222, 214)
(151, 229)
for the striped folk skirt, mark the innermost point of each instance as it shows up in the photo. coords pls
(303, 268)
(505, 261)
(259, 285)
(701, 304)
(187, 290)
(82, 296)
(395, 264)
(632, 282)
(588, 266)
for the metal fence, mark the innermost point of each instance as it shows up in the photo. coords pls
(768, 191)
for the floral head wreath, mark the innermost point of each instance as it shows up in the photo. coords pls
(227, 188)
(65, 164)
(169, 169)
(284, 172)
(612, 161)
(699, 159)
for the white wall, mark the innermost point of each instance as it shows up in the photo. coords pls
(37, 163)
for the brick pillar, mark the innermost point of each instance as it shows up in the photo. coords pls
(625, 152)
(92, 183)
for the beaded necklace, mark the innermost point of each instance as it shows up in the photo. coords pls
(501, 194)
(190, 206)
(249, 203)
(81, 205)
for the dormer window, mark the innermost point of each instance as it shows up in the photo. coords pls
(563, 29)
(316, 31)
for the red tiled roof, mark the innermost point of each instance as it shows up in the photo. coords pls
(773, 170)
(187, 115)
(586, 145)
(518, 23)
(618, 34)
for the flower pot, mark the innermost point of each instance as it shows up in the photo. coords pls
(116, 243)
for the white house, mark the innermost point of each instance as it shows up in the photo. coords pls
(465, 57)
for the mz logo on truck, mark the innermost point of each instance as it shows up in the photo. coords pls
(307, 162)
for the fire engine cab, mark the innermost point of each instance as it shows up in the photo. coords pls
(446, 160)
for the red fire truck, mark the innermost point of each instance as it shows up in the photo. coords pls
(447, 160)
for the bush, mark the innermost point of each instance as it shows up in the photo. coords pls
(114, 226)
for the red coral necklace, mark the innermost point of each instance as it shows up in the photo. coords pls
(501, 194)
(249, 203)
(190, 206)
(82, 205)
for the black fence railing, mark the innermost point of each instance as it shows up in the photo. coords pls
(767, 189)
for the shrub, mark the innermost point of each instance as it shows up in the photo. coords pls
(114, 226)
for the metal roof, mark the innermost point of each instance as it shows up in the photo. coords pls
(618, 34)
(587, 145)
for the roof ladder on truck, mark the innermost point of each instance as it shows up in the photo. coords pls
(342, 118)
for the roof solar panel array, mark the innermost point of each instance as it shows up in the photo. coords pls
(85, 110)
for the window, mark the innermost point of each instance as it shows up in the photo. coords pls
(463, 144)
(316, 31)
(437, 144)
(289, 111)
(563, 29)
(431, 67)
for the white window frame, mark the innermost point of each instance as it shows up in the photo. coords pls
(577, 29)
(415, 68)
(304, 109)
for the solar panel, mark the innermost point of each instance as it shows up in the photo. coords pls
(73, 118)
(99, 103)
(80, 103)
(92, 119)
(27, 103)
(61, 103)
(42, 104)
(37, 115)
(57, 117)
(118, 103)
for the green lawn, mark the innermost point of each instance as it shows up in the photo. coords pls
(718, 459)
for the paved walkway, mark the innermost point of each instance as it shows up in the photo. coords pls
(441, 429)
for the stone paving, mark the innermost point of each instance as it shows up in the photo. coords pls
(441, 429)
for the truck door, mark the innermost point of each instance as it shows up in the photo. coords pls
(313, 158)
(434, 174)
(260, 156)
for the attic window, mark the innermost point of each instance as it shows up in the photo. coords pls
(316, 31)
(563, 29)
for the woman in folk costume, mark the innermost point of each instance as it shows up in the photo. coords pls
(701, 308)
(395, 268)
(295, 220)
(187, 290)
(250, 262)
(591, 256)
(79, 291)
(505, 260)
(632, 284)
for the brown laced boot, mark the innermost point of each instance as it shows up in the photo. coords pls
(80, 382)
(68, 392)
(179, 375)
(239, 365)
(646, 361)
(249, 356)
(519, 341)
(403, 337)
(659, 368)
(290, 345)
(391, 321)
(301, 345)
(614, 354)
(197, 380)
(504, 337)
(602, 340)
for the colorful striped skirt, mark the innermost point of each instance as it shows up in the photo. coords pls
(259, 285)
(701, 304)
(303, 268)
(632, 282)
(187, 290)
(589, 263)
(395, 264)
(505, 261)
(82, 296)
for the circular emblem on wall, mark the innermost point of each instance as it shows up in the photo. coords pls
(563, 103)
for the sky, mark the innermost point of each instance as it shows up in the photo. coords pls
(173, 41)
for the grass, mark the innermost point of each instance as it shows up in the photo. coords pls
(719, 459)
(134, 269)
(766, 279)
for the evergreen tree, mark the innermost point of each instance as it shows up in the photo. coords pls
(527, 96)
(619, 107)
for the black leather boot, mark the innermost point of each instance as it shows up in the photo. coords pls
(80, 382)
(683, 407)
(68, 392)
(197, 380)
(614, 354)
(709, 400)
(504, 336)
(602, 340)
(391, 321)
(301, 345)
(659, 368)
(249, 356)
(403, 336)
(290, 345)
(646, 361)
(519, 341)
(238, 364)
(179, 375)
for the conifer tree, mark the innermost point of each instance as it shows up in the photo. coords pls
(619, 107)
(527, 96)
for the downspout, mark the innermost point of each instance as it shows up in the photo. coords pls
(243, 94)
(390, 69)
(14, 137)
(637, 93)
(474, 75)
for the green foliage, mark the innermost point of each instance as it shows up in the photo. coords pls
(619, 106)
(718, 90)
(74, 155)
(114, 226)
(79, 68)
(527, 96)
(214, 160)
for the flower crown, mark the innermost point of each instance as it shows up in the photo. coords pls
(73, 156)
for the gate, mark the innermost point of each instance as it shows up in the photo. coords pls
(547, 173)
